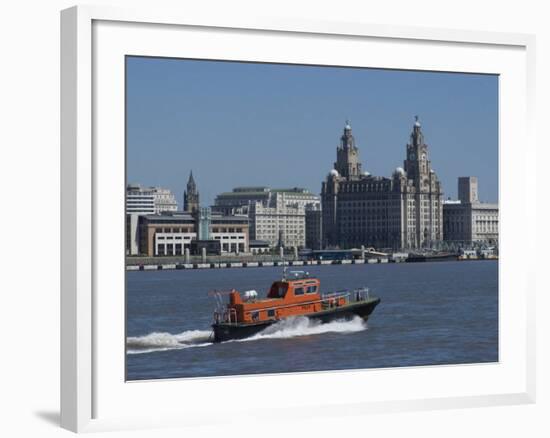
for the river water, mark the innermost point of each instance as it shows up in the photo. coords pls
(430, 314)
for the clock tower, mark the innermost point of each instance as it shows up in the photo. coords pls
(191, 196)
(425, 198)
(347, 155)
(417, 164)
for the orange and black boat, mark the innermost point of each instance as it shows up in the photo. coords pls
(297, 295)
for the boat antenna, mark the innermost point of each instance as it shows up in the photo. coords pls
(284, 268)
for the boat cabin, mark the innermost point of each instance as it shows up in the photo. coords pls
(294, 296)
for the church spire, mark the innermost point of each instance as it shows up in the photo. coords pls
(191, 195)
(191, 181)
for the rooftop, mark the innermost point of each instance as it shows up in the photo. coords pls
(171, 216)
(263, 191)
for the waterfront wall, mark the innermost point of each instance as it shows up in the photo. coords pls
(253, 264)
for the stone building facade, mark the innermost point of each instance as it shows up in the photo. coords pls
(403, 211)
(280, 225)
(277, 216)
(240, 198)
(468, 221)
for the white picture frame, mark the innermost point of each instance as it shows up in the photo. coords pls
(94, 397)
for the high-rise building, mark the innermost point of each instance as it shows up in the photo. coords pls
(467, 189)
(314, 227)
(468, 221)
(191, 196)
(403, 211)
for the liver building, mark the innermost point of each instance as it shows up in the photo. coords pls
(404, 211)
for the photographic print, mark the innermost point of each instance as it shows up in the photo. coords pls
(296, 218)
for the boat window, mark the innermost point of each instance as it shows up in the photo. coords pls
(278, 290)
(271, 313)
(299, 291)
(255, 316)
(311, 289)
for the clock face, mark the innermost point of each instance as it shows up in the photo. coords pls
(423, 157)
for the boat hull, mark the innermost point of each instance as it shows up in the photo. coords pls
(226, 331)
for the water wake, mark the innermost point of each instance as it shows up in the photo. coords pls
(303, 326)
(288, 328)
(160, 341)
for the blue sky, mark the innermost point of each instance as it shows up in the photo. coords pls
(238, 124)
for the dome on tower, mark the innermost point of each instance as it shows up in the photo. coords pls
(333, 172)
(399, 171)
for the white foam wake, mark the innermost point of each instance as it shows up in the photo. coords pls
(161, 341)
(288, 328)
(303, 326)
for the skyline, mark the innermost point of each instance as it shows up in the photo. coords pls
(258, 117)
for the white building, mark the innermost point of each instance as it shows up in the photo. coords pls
(142, 201)
(279, 225)
(242, 197)
(468, 220)
(170, 234)
(277, 216)
(149, 200)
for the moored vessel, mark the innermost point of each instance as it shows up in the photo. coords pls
(297, 294)
(432, 257)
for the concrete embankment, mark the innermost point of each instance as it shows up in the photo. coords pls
(149, 266)
(165, 263)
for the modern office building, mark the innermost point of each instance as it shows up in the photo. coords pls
(468, 221)
(143, 201)
(149, 200)
(167, 234)
(170, 234)
(403, 211)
